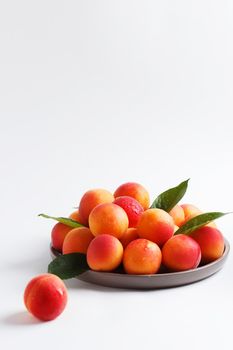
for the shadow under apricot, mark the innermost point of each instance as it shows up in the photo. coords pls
(21, 318)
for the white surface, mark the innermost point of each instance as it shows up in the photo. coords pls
(93, 94)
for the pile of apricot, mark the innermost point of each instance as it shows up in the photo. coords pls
(121, 229)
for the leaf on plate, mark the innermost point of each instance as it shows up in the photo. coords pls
(199, 221)
(66, 221)
(68, 265)
(168, 199)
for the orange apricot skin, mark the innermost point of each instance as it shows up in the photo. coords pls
(104, 253)
(90, 200)
(142, 257)
(136, 191)
(108, 218)
(130, 235)
(77, 241)
(132, 208)
(211, 242)
(156, 225)
(181, 253)
(58, 235)
(45, 297)
(190, 210)
(177, 213)
(75, 216)
(211, 224)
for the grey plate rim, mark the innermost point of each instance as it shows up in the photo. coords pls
(173, 279)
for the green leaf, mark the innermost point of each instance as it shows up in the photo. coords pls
(168, 199)
(66, 221)
(68, 265)
(199, 221)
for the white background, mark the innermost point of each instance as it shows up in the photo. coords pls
(94, 94)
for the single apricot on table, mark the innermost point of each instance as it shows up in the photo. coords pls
(58, 235)
(77, 240)
(108, 218)
(156, 225)
(90, 200)
(104, 253)
(181, 253)
(142, 257)
(136, 191)
(45, 297)
(132, 208)
(211, 242)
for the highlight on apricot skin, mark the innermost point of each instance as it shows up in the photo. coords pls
(104, 253)
(181, 253)
(45, 297)
(136, 191)
(108, 218)
(211, 241)
(77, 241)
(177, 213)
(130, 235)
(58, 235)
(156, 225)
(90, 200)
(142, 257)
(132, 208)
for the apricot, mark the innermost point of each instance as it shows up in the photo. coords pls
(142, 257)
(130, 235)
(211, 224)
(190, 217)
(177, 213)
(156, 225)
(45, 297)
(181, 253)
(108, 218)
(58, 235)
(90, 200)
(136, 191)
(104, 253)
(77, 240)
(75, 216)
(190, 210)
(132, 208)
(211, 241)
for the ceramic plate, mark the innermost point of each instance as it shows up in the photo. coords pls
(160, 280)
